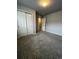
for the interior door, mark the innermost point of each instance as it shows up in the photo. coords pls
(30, 23)
(21, 24)
(43, 24)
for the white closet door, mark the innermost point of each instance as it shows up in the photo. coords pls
(21, 23)
(30, 23)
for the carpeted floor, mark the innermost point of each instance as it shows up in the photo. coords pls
(42, 45)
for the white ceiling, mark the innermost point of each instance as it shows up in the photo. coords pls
(55, 6)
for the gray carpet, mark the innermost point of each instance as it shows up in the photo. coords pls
(42, 45)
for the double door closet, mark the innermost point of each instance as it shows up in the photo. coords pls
(25, 23)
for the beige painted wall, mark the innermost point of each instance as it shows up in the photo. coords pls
(54, 23)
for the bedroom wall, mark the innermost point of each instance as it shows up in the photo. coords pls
(23, 8)
(54, 23)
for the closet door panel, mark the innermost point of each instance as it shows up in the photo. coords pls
(30, 23)
(21, 23)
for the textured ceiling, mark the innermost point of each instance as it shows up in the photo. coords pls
(56, 5)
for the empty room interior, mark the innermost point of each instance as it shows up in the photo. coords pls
(39, 29)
